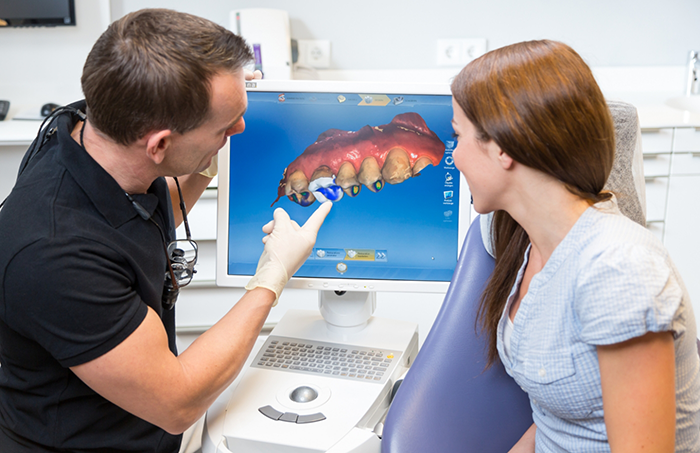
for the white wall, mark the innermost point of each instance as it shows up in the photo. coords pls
(39, 65)
(44, 64)
(402, 34)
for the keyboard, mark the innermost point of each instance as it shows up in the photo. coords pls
(333, 360)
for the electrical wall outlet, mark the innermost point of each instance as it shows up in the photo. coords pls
(314, 53)
(459, 52)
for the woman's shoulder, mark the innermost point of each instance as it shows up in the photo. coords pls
(626, 283)
(607, 230)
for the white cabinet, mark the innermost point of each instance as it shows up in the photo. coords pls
(657, 140)
(686, 163)
(657, 145)
(202, 218)
(672, 174)
(682, 236)
(686, 139)
(657, 164)
(656, 192)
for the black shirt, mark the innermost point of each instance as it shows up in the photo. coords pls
(78, 268)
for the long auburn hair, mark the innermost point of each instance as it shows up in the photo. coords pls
(539, 102)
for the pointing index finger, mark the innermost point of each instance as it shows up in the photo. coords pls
(317, 218)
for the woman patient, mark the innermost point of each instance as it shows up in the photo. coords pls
(585, 308)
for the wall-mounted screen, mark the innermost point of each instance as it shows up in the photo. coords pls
(36, 13)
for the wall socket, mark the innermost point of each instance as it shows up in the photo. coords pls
(459, 52)
(314, 53)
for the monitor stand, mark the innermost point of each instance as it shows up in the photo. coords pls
(346, 311)
(328, 388)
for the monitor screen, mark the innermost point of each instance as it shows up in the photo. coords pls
(382, 154)
(32, 13)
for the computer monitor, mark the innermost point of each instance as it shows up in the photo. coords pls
(36, 13)
(383, 152)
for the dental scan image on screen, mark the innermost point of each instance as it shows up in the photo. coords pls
(341, 162)
(384, 160)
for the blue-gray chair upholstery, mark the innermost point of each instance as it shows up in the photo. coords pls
(448, 402)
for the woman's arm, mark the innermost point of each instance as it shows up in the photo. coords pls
(526, 444)
(639, 396)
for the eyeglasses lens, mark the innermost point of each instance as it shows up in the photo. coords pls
(183, 257)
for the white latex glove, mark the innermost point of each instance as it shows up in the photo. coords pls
(213, 168)
(252, 75)
(287, 246)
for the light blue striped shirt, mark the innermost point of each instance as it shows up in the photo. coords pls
(608, 281)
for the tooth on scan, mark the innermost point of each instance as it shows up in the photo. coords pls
(347, 179)
(370, 174)
(397, 167)
(339, 162)
(297, 189)
(323, 185)
(420, 164)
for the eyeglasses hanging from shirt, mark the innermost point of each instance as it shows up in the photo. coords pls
(180, 255)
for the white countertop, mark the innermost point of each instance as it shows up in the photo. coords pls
(653, 111)
(18, 132)
(661, 116)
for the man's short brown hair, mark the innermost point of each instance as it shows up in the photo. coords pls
(152, 69)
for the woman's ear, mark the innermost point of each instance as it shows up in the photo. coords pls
(157, 143)
(503, 158)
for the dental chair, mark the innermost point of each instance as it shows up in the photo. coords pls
(448, 401)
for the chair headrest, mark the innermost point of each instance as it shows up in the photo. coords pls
(626, 178)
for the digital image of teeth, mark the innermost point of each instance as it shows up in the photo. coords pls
(340, 162)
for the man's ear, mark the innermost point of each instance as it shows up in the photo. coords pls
(156, 144)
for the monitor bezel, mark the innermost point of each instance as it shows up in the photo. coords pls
(331, 284)
(41, 21)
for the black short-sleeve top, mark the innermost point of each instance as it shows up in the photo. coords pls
(78, 269)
